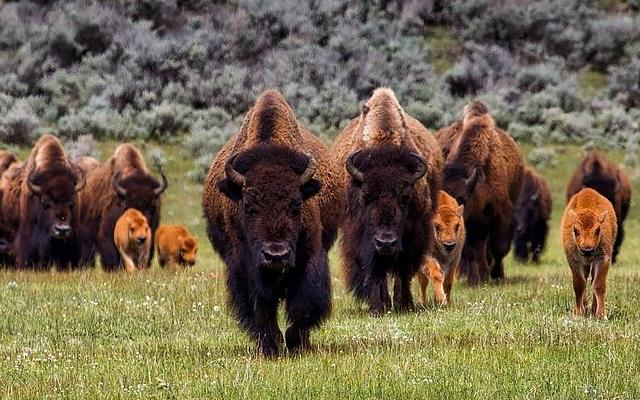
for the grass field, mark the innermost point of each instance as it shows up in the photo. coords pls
(167, 334)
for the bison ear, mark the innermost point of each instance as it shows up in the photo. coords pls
(230, 189)
(603, 216)
(461, 210)
(310, 188)
(572, 214)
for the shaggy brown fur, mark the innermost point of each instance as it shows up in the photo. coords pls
(132, 237)
(604, 176)
(7, 235)
(273, 224)
(588, 232)
(442, 268)
(384, 144)
(176, 246)
(102, 204)
(483, 171)
(531, 216)
(48, 231)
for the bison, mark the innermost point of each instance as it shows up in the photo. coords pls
(588, 232)
(132, 237)
(272, 205)
(449, 233)
(391, 166)
(7, 235)
(605, 177)
(531, 217)
(176, 246)
(48, 232)
(119, 183)
(483, 171)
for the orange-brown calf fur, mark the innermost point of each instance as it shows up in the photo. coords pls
(588, 232)
(132, 237)
(176, 246)
(442, 267)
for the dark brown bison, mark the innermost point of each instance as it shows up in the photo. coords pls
(483, 171)
(391, 166)
(121, 182)
(273, 204)
(6, 234)
(605, 177)
(48, 232)
(531, 217)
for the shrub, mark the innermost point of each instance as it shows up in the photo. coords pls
(18, 125)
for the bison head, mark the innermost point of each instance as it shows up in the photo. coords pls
(587, 231)
(447, 225)
(271, 183)
(142, 192)
(381, 190)
(138, 229)
(460, 182)
(188, 250)
(526, 210)
(57, 187)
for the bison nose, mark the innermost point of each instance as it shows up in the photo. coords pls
(142, 239)
(386, 240)
(275, 252)
(61, 230)
(587, 252)
(448, 247)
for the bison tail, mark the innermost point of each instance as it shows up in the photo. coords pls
(476, 114)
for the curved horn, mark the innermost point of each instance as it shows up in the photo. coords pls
(470, 182)
(534, 196)
(32, 186)
(617, 187)
(421, 169)
(233, 175)
(311, 169)
(352, 170)
(158, 191)
(122, 192)
(81, 179)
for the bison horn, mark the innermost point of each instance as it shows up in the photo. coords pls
(32, 186)
(122, 192)
(421, 169)
(160, 189)
(310, 170)
(81, 180)
(352, 170)
(534, 196)
(471, 180)
(233, 175)
(617, 187)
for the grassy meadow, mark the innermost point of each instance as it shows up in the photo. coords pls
(169, 334)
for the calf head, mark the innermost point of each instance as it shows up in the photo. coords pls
(57, 190)
(460, 182)
(381, 191)
(587, 231)
(142, 192)
(447, 225)
(188, 250)
(270, 183)
(138, 228)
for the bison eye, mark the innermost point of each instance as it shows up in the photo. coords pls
(597, 231)
(437, 229)
(576, 232)
(250, 210)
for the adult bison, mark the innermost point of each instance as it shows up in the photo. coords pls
(121, 182)
(531, 217)
(605, 177)
(48, 231)
(483, 171)
(6, 234)
(391, 166)
(273, 204)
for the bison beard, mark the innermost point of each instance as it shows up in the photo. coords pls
(384, 231)
(274, 250)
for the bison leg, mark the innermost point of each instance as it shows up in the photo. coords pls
(448, 281)
(423, 282)
(108, 252)
(437, 277)
(618, 242)
(579, 287)
(402, 298)
(499, 244)
(379, 300)
(521, 248)
(600, 289)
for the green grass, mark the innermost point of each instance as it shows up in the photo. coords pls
(444, 47)
(592, 83)
(166, 334)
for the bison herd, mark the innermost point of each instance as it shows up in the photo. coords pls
(407, 202)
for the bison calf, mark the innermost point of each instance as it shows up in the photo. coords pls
(442, 268)
(531, 216)
(176, 246)
(132, 237)
(588, 233)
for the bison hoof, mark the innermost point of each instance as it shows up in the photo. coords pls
(297, 339)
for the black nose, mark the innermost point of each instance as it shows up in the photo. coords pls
(386, 240)
(448, 247)
(587, 252)
(275, 252)
(61, 230)
(142, 239)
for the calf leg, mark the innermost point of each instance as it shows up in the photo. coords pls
(437, 277)
(579, 287)
(423, 282)
(600, 288)
(448, 281)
